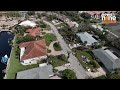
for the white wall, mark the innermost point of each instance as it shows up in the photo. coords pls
(33, 60)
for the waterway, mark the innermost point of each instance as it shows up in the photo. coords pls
(5, 48)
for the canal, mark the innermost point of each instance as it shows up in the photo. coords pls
(5, 48)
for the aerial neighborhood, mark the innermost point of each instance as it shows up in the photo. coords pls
(59, 45)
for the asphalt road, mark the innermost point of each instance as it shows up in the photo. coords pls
(75, 65)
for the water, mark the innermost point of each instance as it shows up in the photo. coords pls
(5, 48)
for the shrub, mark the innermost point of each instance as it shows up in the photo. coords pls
(68, 74)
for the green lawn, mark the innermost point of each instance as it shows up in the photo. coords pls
(49, 38)
(57, 47)
(84, 53)
(16, 66)
(55, 61)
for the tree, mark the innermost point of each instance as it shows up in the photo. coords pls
(85, 42)
(116, 43)
(86, 15)
(31, 13)
(25, 39)
(68, 74)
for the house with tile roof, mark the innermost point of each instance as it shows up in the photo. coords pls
(33, 51)
(34, 31)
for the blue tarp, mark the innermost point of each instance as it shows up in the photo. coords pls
(4, 60)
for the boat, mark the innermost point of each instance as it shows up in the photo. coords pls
(4, 59)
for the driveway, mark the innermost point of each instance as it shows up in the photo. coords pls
(53, 52)
(75, 65)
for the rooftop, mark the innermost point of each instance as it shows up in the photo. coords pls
(84, 36)
(36, 73)
(33, 49)
(34, 31)
(99, 27)
(110, 60)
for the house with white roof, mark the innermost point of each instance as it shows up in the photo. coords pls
(84, 36)
(98, 27)
(28, 23)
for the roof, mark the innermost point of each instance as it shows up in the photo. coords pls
(34, 31)
(110, 61)
(36, 73)
(28, 23)
(33, 49)
(84, 36)
(99, 27)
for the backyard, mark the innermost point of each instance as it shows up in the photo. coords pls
(49, 38)
(92, 64)
(58, 60)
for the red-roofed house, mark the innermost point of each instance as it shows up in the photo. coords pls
(34, 31)
(33, 51)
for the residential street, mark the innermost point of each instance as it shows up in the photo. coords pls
(75, 65)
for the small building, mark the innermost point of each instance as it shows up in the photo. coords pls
(34, 31)
(109, 60)
(33, 51)
(28, 23)
(98, 27)
(45, 72)
(86, 37)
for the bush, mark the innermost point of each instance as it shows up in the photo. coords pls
(93, 63)
(68, 74)
(49, 51)
(24, 39)
(57, 46)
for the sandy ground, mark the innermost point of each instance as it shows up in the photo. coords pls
(100, 72)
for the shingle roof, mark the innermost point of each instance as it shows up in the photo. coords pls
(107, 59)
(34, 49)
(36, 73)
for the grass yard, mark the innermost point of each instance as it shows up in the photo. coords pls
(49, 38)
(57, 47)
(55, 61)
(16, 66)
(84, 53)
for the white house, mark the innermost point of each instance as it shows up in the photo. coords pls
(98, 26)
(32, 52)
(84, 36)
